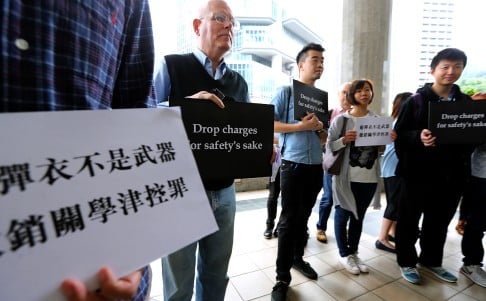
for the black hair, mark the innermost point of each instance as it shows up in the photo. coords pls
(397, 102)
(303, 53)
(358, 84)
(450, 54)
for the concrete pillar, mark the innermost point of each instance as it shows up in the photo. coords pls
(365, 42)
(277, 62)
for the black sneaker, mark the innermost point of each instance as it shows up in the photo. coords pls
(268, 232)
(279, 291)
(305, 268)
(275, 232)
(269, 229)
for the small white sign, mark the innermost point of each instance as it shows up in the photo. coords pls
(373, 130)
(84, 189)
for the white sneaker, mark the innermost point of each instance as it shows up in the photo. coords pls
(363, 268)
(349, 264)
(475, 273)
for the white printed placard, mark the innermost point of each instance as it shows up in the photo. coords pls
(373, 130)
(84, 189)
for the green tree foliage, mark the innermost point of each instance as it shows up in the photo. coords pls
(473, 85)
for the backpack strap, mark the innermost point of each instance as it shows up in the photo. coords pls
(418, 103)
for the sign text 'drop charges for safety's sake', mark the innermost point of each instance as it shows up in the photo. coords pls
(230, 143)
(309, 99)
(458, 122)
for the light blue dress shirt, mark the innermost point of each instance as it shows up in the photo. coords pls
(390, 160)
(300, 147)
(162, 80)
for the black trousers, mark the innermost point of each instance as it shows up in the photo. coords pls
(300, 184)
(472, 240)
(272, 201)
(394, 192)
(435, 198)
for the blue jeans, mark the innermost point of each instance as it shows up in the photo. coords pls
(325, 205)
(348, 238)
(213, 256)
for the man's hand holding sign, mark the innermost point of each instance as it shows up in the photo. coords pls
(311, 108)
(309, 99)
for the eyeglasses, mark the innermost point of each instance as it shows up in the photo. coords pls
(222, 19)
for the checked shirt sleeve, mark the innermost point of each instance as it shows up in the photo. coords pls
(143, 292)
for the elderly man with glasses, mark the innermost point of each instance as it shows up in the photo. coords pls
(193, 75)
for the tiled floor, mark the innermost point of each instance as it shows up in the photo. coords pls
(252, 267)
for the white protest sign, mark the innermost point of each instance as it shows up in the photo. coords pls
(84, 189)
(373, 130)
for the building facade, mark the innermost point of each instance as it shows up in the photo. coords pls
(265, 44)
(389, 41)
(436, 34)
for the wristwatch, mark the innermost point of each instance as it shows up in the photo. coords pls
(318, 132)
(218, 93)
(221, 95)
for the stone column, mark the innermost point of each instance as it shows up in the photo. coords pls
(365, 46)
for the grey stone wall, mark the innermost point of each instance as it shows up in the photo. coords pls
(251, 184)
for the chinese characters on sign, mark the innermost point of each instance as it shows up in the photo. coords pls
(373, 130)
(31, 230)
(78, 195)
(54, 169)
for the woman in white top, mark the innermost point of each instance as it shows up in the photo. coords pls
(357, 184)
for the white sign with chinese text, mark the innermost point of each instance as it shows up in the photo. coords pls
(373, 130)
(83, 189)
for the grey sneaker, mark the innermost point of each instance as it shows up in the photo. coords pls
(475, 273)
(410, 274)
(350, 264)
(363, 268)
(442, 274)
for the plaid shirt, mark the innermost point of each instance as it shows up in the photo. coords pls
(143, 292)
(74, 55)
(77, 55)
